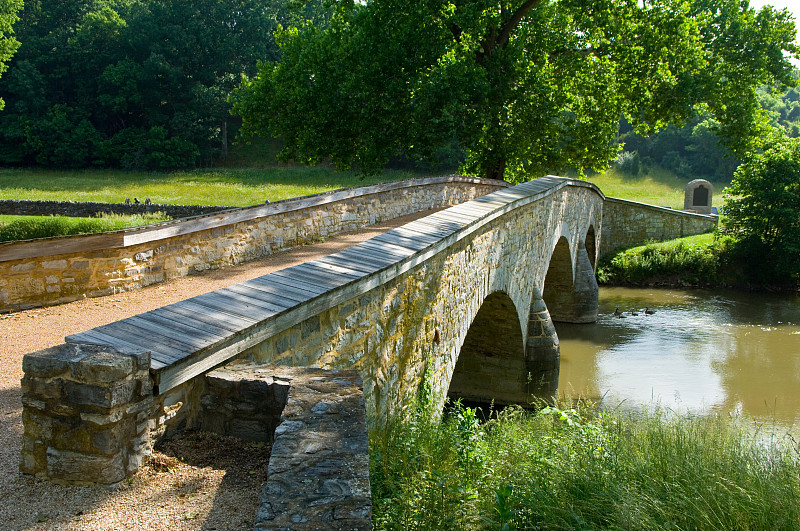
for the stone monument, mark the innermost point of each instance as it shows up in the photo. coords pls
(697, 197)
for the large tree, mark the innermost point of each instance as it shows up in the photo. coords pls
(523, 86)
(8, 44)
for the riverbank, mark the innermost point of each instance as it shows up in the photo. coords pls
(577, 467)
(702, 261)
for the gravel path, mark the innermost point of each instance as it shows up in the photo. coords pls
(193, 482)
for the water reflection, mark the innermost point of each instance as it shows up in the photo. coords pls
(699, 351)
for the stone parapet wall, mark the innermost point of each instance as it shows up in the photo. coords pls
(57, 270)
(397, 309)
(88, 209)
(627, 223)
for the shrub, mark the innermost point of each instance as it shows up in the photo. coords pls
(762, 211)
(629, 163)
(693, 261)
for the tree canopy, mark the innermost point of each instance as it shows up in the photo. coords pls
(8, 44)
(131, 83)
(523, 86)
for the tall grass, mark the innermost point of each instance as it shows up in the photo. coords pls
(575, 467)
(29, 227)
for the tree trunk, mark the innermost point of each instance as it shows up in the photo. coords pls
(496, 169)
(224, 153)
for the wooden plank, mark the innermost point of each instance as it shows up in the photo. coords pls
(169, 333)
(261, 295)
(407, 242)
(451, 216)
(279, 282)
(369, 256)
(93, 337)
(420, 233)
(262, 310)
(209, 307)
(208, 316)
(340, 260)
(168, 353)
(269, 285)
(389, 252)
(20, 250)
(188, 326)
(157, 333)
(234, 307)
(335, 270)
(304, 279)
(435, 226)
(319, 275)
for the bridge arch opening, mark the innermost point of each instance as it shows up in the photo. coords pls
(558, 285)
(491, 364)
(590, 243)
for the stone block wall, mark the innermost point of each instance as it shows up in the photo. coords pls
(627, 223)
(318, 475)
(57, 270)
(86, 413)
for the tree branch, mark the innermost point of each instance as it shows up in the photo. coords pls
(513, 22)
(456, 31)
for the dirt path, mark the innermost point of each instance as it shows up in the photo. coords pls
(189, 497)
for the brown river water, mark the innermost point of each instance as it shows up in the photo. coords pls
(700, 352)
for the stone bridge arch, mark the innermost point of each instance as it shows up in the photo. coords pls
(491, 364)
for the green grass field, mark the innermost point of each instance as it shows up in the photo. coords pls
(224, 187)
(659, 187)
(255, 183)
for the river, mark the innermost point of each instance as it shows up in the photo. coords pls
(700, 351)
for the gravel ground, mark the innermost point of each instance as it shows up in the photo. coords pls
(195, 481)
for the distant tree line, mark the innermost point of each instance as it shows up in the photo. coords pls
(695, 150)
(140, 84)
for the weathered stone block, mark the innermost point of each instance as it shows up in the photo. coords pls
(102, 367)
(70, 466)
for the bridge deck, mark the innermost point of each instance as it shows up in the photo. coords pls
(192, 336)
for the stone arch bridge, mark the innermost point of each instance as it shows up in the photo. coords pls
(466, 296)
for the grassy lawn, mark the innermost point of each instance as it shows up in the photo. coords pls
(14, 228)
(252, 182)
(659, 187)
(224, 187)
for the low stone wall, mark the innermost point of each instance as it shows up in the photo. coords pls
(87, 209)
(627, 223)
(318, 474)
(57, 270)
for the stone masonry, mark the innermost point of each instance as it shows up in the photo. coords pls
(627, 223)
(86, 412)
